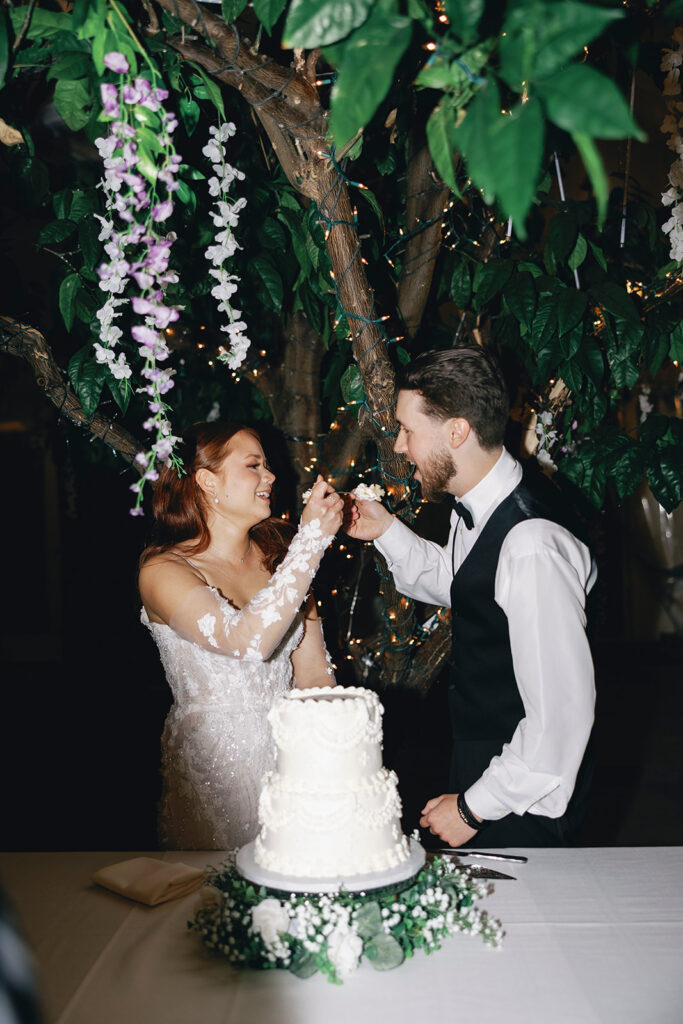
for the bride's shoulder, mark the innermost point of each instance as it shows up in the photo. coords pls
(168, 567)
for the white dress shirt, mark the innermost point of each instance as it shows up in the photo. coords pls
(542, 579)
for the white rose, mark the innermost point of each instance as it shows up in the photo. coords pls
(344, 948)
(268, 919)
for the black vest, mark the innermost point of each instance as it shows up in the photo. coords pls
(483, 696)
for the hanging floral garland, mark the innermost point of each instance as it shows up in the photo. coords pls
(140, 178)
(671, 126)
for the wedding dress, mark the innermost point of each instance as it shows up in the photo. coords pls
(225, 666)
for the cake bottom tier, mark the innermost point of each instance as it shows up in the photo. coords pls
(320, 834)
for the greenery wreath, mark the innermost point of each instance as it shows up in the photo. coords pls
(308, 932)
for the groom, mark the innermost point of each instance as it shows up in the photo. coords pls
(521, 690)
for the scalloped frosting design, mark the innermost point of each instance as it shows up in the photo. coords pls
(330, 808)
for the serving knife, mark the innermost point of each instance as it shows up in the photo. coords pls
(479, 871)
(445, 851)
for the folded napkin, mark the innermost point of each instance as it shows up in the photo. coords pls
(148, 880)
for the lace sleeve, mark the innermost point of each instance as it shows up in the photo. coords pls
(253, 632)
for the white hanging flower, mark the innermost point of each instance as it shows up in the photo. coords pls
(344, 948)
(269, 919)
(672, 60)
(225, 216)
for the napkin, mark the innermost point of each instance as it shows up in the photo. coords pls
(148, 880)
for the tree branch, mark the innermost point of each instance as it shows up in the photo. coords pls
(19, 339)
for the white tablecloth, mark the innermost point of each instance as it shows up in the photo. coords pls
(592, 935)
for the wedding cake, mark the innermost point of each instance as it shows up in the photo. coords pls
(329, 808)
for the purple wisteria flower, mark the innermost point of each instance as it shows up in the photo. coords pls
(110, 99)
(117, 62)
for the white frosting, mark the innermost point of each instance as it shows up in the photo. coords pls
(329, 808)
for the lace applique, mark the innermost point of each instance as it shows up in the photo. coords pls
(207, 626)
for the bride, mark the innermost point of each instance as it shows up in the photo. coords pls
(225, 599)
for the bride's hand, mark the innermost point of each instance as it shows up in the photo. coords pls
(324, 504)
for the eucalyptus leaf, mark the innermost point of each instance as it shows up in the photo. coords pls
(384, 952)
(366, 71)
(368, 920)
(303, 963)
(580, 99)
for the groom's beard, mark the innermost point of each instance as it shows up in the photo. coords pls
(436, 475)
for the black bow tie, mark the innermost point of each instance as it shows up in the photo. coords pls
(462, 511)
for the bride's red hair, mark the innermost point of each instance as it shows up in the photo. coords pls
(179, 504)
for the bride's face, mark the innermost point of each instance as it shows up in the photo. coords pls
(244, 482)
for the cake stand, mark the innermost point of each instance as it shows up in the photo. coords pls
(253, 872)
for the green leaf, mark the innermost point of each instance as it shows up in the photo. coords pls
(616, 300)
(186, 195)
(87, 377)
(578, 253)
(121, 392)
(598, 255)
(88, 239)
(592, 161)
(625, 466)
(520, 295)
(580, 99)
(4, 46)
(213, 91)
(55, 232)
(571, 305)
(73, 102)
(665, 476)
(189, 112)
(384, 952)
(545, 322)
(503, 152)
(272, 235)
(442, 144)
(368, 920)
(82, 205)
(303, 963)
(562, 235)
(464, 17)
(351, 384)
(491, 277)
(74, 64)
(270, 277)
(43, 24)
(231, 9)
(538, 38)
(461, 284)
(268, 12)
(68, 291)
(366, 71)
(312, 23)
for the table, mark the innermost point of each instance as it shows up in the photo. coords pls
(593, 936)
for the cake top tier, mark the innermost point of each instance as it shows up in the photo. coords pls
(341, 716)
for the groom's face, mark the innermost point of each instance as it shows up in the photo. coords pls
(423, 440)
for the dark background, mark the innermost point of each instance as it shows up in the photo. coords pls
(84, 695)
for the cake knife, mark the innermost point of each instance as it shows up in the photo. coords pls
(449, 850)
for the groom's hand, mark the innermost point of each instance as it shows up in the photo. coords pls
(365, 520)
(441, 816)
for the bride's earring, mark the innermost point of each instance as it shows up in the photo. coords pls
(215, 498)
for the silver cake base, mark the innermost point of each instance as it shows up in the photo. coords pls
(253, 872)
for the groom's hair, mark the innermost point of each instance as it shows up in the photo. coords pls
(462, 382)
(180, 506)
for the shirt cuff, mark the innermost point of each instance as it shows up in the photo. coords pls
(483, 803)
(393, 542)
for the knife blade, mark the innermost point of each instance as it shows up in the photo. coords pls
(479, 871)
(445, 851)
